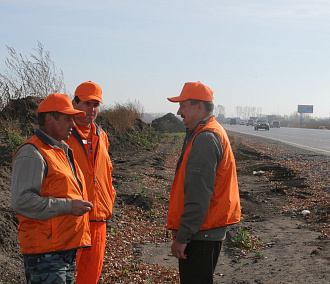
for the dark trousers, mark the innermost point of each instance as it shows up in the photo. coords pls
(202, 257)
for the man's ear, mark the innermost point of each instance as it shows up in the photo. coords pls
(74, 103)
(201, 107)
(48, 117)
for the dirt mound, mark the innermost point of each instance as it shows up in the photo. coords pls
(24, 111)
(168, 123)
(11, 268)
(137, 200)
(129, 141)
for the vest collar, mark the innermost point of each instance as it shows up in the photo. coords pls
(204, 121)
(50, 140)
(191, 133)
(189, 136)
(95, 127)
(76, 134)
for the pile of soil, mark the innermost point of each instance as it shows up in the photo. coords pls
(23, 111)
(169, 123)
(120, 142)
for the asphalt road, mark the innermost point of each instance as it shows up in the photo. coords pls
(315, 140)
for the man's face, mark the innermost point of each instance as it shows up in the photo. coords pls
(91, 108)
(190, 113)
(60, 129)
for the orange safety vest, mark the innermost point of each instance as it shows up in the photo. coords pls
(224, 208)
(98, 176)
(63, 232)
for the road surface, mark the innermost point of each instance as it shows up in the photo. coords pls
(315, 140)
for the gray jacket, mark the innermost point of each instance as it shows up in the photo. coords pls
(29, 170)
(202, 164)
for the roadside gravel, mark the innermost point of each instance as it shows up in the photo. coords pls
(312, 193)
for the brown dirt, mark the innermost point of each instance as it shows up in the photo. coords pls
(291, 251)
(168, 124)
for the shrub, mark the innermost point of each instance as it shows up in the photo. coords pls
(146, 139)
(247, 241)
(123, 116)
(13, 133)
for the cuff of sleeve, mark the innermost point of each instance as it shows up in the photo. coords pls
(65, 206)
(183, 238)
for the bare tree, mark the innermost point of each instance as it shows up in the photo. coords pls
(4, 91)
(36, 75)
(247, 112)
(219, 111)
(238, 111)
(259, 111)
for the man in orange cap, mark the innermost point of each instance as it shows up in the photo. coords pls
(204, 196)
(90, 146)
(48, 194)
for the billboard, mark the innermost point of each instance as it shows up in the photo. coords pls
(305, 108)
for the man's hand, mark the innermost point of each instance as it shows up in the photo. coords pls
(178, 249)
(80, 207)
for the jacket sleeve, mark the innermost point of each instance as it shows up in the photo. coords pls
(202, 164)
(29, 168)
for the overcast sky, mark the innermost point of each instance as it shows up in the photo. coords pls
(269, 54)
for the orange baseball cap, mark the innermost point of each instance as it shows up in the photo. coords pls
(89, 91)
(60, 103)
(195, 91)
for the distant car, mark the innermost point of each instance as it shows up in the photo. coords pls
(275, 124)
(261, 124)
(233, 121)
(242, 122)
(250, 122)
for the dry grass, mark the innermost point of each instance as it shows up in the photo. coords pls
(123, 116)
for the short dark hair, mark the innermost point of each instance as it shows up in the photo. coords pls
(209, 106)
(42, 116)
(76, 98)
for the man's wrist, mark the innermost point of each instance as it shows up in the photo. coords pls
(183, 239)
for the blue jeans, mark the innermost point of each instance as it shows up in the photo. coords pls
(202, 258)
(53, 267)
